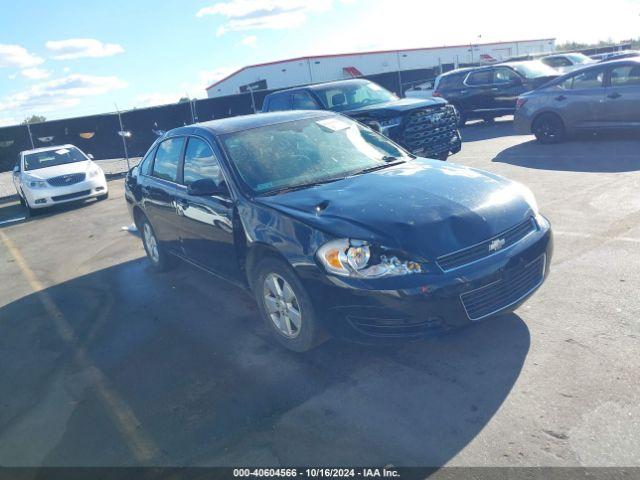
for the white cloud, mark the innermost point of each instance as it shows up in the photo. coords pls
(7, 121)
(207, 77)
(249, 41)
(56, 94)
(82, 47)
(243, 15)
(35, 73)
(156, 98)
(404, 27)
(17, 56)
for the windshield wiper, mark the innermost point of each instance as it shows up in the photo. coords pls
(388, 163)
(302, 186)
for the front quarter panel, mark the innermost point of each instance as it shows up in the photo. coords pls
(293, 240)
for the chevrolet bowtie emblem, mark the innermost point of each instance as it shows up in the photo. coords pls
(496, 244)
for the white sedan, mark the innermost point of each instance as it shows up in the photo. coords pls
(53, 175)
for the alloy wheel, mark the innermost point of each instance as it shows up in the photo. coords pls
(282, 305)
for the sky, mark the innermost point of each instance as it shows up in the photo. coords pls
(76, 57)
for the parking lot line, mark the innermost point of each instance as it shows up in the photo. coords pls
(138, 441)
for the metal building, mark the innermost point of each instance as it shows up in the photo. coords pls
(405, 66)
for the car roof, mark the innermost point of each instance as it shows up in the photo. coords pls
(318, 86)
(47, 149)
(248, 122)
(458, 71)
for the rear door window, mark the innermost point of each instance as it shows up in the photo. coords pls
(280, 102)
(303, 101)
(590, 79)
(480, 78)
(167, 159)
(504, 75)
(626, 76)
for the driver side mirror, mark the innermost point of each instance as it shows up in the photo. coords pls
(207, 187)
(90, 155)
(16, 169)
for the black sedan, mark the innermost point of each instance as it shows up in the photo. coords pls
(335, 229)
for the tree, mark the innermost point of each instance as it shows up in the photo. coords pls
(34, 119)
(184, 100)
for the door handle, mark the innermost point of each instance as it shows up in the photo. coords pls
(614, 95)
(560, 98)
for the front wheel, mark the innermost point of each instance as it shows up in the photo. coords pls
(548, 128)
(286, 306)
(461, 117)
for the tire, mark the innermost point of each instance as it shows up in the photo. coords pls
(31, 212)
(548, 129)
(103, 197)
(279, 293)
(158, 257)
(462, 118)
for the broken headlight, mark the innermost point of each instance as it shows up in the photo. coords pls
(356, 258)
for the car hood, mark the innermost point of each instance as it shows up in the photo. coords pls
(57, 170)
(422, 207)
(396, 106)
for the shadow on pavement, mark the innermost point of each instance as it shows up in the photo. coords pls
(478, 130)
(13, 213)
(188, 355)
(604, 152)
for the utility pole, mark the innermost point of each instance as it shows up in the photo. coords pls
(124, 140)
(30, 136)
(253, 100)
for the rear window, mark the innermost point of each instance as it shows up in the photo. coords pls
(449, 81)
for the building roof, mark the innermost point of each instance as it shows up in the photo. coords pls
(314, 57)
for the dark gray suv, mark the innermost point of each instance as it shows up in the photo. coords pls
(603, 96)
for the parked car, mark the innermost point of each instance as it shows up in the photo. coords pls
(621, 55)
(335, 228)
(603, 96)
(49, 176)
(425, 127)
(566, 62)
(490, 92)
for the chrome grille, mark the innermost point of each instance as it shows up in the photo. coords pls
(429, 131)
(484, 249)
(509, 290)
(65, 180)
